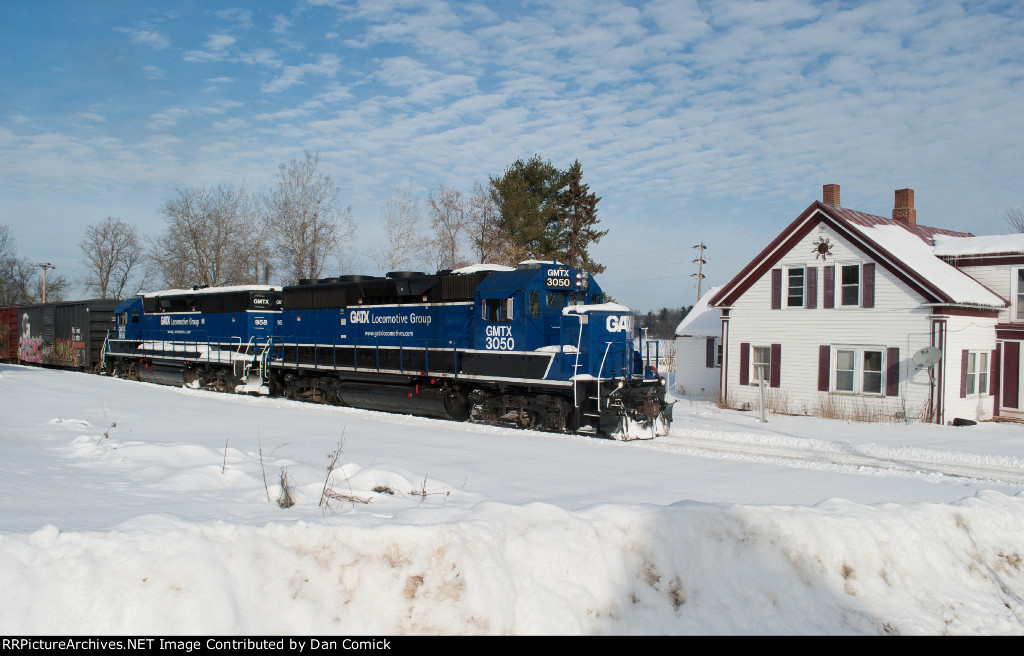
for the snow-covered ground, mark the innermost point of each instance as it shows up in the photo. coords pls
(135, 509)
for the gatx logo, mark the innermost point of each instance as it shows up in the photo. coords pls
(623, 324)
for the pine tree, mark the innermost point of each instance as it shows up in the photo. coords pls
(575, 228)
(527, 200)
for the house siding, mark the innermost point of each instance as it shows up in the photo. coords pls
(966, 334)
(694, 379)
(897, 321)
(999, 279)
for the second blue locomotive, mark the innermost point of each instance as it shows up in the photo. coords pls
(535, 346)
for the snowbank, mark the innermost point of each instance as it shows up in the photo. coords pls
(837, 567)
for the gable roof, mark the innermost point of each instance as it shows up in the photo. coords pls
(702, 320)
(903, 250)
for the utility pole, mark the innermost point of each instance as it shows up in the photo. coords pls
(700, 262)
(45, 266)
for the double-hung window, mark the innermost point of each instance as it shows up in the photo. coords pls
(795, 287)
(849, 285)
(858, 370)
(1019, 295)
(977, 373)
(760, 364)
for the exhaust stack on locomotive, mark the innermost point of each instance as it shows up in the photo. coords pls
(534, 346)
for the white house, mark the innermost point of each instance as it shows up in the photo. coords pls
(831, 313)
(997, 261)
(699, 351)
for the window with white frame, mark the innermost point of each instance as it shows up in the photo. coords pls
(795, 287)
(1019, 294)
(760, 364)
(858, 370)
(977, 373)
(849, 284)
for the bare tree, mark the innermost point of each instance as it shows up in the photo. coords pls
(1014, 217)
(484, 231)
(21, 280)
(449, 213)
(8, 259)
(254, 262)
(308, 224)
(403, 233)
(114, 259)
(206, 228)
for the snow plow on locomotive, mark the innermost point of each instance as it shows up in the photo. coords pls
(533, 346)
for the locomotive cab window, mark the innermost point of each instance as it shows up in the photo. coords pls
(563, 299)
(535, 304)
(497, 309)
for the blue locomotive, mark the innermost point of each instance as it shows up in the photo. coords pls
(535, 346)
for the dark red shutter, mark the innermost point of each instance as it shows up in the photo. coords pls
(993, 379)
(744, 363)
(963, 374)
(1011, 371)
(776, 289)
(892, 372)
(709, 353)
(830, 287)
(811, 301)
(774, 377)
(824, 364)
(867, 297)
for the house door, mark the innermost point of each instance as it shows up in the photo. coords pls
(1011, 375)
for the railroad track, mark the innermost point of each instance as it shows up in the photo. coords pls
(821, 454)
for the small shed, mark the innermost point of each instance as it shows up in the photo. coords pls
(699, 351)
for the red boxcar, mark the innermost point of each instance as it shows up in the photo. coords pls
(9, 334)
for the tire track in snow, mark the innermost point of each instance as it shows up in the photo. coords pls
(824, 455)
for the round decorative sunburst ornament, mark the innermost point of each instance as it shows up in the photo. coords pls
(822, 248)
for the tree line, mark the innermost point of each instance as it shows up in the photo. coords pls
(299, 229)
(661, 324)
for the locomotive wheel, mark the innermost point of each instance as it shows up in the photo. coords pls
(313, 395)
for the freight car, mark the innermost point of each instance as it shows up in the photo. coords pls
(535, 346)
(8, 334)
(68, 335)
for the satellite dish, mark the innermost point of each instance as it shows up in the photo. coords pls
(928, 356)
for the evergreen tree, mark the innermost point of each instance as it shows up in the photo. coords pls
(576, 226)
(527, 200)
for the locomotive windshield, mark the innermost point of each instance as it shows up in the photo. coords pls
(563, 299)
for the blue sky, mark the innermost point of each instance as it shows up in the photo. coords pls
(713, 122)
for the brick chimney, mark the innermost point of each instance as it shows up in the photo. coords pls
(903, 209)
(830, 194)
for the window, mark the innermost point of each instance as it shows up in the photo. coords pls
(534, 304)
(497, 309)
(858, 370)
(795, 287)
(977, 373)
(760, 364)
(562, 299)
(1020, 295)
(713, 352)
(849, 281)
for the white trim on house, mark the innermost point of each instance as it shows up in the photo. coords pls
(907, 299)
